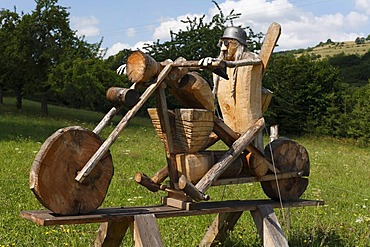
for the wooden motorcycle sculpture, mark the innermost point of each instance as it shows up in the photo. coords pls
(73, 169)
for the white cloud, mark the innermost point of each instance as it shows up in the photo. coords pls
(162, 32)
(117, 47)
(300, 28)
(131, 32)
(85, 26)
(363, 6)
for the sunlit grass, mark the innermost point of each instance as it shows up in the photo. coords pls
(340, 176)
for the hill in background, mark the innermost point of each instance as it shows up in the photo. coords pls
(330, 49)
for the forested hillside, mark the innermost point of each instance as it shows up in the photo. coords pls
(326, 96)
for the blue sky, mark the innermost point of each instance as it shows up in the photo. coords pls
(130, 24)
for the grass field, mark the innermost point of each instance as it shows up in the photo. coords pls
(340, 175)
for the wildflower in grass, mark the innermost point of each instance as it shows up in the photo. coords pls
(359, 220)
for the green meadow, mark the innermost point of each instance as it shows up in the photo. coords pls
(340, 176)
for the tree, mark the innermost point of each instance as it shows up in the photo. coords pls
(306, 95)
(360, 40)
(8, 23)
(83, 83)
(49, 35)
(15, 64)
(358, 124)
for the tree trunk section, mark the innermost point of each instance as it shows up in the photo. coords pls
(44, 105)
(53, 172)
(1, 94)
(19, 99)
(288, 156)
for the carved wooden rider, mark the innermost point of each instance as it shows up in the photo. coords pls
(239, 97)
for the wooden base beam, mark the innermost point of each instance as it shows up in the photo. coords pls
(143, 225)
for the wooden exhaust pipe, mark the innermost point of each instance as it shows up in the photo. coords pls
(127, 96)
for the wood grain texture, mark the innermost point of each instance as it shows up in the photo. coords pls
(288, 156)
(140, 67)
(53, 171)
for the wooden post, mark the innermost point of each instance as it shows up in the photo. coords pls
(268, 227)
(146, 232)
(168, 141)
(111, 233)
(126, 96)
(218, 230)
(274, 133)
(191, 190)
(106, 119)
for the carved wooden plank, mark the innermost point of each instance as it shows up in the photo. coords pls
(269, 43)
(110, 234)
(217, 232)
(146, 232)
(268, 227)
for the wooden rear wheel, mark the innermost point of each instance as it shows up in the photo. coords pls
(288, 156)
(53, 172)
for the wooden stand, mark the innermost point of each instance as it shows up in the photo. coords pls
(142, 221)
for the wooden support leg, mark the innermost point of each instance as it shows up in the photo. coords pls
(218, 230)
(146, 232)
(111, 233)
(268, 227)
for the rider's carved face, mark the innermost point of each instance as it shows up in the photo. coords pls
(228, 49)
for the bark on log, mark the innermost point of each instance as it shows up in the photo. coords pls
(193, 91)
(127, 96)
(52, 175)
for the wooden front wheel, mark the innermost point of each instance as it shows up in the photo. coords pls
(288, 156)
(53, 172)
